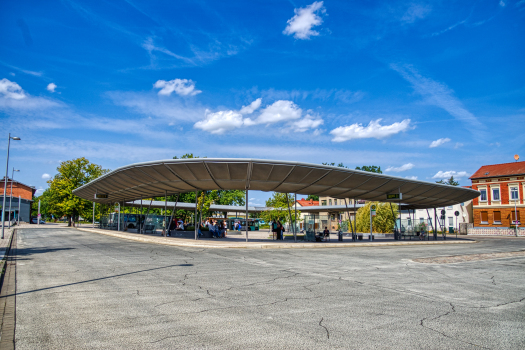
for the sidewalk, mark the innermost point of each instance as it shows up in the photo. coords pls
(5, 242)
(259, 240)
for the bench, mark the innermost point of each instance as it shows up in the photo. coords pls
(408, 233)
(149, 228)
(322, 237)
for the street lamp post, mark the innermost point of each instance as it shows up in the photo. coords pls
(5, 179)
(11, 195)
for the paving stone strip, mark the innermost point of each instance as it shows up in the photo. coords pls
(469, 257)
(8, 299)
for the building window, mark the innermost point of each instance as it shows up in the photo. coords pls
(450, 221)
(323, 202)
(329, 202)
(514, 193)
(497, 217)
(484, 217)
(514, 217)
(483, 195)
(495, 194)
(421, 220)
(429, 221)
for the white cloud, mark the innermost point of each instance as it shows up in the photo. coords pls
(51, 87)
(220, 122)
(373, 130)
(251, 107)
(502, 3)
(182, 87)
(415, 12)
(46, 176)
(11, 90)
(403, 167)
(306, 123)
(437, 94)
(279, 111)
(39, 191)
(439, 142)
(301, 24)
(447, 174)
(458, 145)
(411, 177)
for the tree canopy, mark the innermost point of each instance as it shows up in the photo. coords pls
(279, 202)
(370, 168)
(450, 182)
(59, 200)
(383, 222)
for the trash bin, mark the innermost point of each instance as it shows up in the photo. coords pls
(340, 236)
(451, 229)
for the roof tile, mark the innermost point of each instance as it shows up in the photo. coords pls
(494, 170)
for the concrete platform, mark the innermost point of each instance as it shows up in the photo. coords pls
(259, 240)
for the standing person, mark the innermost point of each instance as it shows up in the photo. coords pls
(225, 224)
(172, 226)
(274, 229)
(279, 230)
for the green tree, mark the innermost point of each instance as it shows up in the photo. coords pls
(45, 205)
(312, 197)
(280, 208)
(340, 165)
(383, 222)
(450, 182)
(370, 168)
(71, 175)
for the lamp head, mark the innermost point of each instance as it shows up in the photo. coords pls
(15, 170)
(16, 138)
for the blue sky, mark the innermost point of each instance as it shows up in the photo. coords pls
(422, 89)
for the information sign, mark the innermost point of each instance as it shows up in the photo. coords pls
(394, 196)
(101, 195)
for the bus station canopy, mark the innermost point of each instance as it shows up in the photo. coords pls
(237, 208)
(156, 178)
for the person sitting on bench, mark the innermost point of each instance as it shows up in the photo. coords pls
(326, 233)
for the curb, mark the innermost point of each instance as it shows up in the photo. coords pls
(195, 244)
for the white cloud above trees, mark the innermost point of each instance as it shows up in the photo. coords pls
(11, 90)
(300, 25)
(282, 112)
(251, 107)
(279, 111)
(447, 174)
(439, 142)
(182, 87)
(373, 130)
(403, 167)
(220, 122)
(51, 87)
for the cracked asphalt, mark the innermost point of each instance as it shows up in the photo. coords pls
(80, 290)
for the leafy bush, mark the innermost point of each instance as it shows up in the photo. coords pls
(383, 222)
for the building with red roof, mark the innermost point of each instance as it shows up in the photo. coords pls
(501, 188)
(306, 202)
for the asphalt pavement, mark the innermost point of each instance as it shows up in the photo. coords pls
(82, 290)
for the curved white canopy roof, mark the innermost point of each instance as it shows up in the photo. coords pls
(153, 179)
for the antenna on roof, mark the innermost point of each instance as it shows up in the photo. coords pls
(516, 157)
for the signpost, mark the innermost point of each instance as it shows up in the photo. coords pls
(372, 214)
(101, 195)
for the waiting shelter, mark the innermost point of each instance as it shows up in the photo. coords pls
(174, 176)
